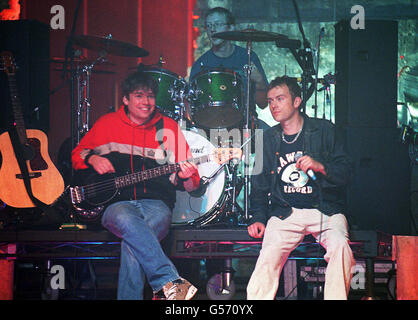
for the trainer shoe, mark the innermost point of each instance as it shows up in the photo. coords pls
(180, 289)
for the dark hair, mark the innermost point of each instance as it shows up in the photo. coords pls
(291, 83)
(139, 80)
(229, 17)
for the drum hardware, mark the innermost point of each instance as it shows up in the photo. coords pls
(204, 181)
(317, 54)
(83, 75)
(179, 96)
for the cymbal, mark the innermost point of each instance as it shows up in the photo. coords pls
(250, 35)
(253, 35)
(93, 71)
(83, 60)
(110, 46)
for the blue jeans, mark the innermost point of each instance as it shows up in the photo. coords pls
(141, 224)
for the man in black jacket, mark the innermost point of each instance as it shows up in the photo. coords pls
(298, 193)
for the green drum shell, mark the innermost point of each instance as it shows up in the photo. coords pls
(165, 80)
(219, 99)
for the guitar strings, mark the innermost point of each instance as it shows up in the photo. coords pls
(110, 184)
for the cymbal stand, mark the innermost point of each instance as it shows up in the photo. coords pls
(83, 75)
(178, 95)
(305, 60)
(247, 133)
(316, 67)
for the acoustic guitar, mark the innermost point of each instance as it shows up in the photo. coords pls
(46, 181)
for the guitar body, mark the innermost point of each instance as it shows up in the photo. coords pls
(97, 189)
(46, 181)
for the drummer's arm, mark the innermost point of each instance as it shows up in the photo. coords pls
(260, 87)
(260, 96)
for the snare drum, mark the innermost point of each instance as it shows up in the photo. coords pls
(217, 99)
(203, 209)
(169, 84)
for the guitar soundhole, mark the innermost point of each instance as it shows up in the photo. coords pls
(36, 161)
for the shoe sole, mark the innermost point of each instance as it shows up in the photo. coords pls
(191, 292)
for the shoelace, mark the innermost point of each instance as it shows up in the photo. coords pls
(172, 292)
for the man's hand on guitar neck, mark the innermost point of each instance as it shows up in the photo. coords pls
(187, 169)
(102, 165)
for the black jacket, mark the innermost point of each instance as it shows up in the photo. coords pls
(321, 142)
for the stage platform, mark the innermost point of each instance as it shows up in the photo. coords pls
(185, 243)
(198, 243)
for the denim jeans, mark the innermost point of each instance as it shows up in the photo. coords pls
(141, 224)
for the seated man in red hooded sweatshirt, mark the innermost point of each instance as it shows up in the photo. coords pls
(127, 140)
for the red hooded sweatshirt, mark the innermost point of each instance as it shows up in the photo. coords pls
(132, 148)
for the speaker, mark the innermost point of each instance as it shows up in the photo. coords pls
(28, 41)
(378, 197)
(366, 74)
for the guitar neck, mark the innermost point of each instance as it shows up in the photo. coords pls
(136, 177)
(17, 110)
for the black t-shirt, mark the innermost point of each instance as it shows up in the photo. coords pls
(295, 185)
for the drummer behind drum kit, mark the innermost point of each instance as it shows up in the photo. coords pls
(213, 100)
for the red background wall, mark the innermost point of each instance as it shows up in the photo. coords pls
(159, 26)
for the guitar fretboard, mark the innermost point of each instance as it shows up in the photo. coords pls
(133, 178)
(17, 110)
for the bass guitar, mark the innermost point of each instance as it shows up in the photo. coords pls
(46, 181)
(90, 198)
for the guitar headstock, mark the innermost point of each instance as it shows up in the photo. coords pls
(222, 155)
(8, 64)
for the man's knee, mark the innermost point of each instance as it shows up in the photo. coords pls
(117, 218)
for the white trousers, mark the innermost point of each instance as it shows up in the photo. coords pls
(281, 237)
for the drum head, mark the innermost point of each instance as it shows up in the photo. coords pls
(190, 209)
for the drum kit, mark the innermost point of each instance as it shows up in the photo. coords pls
(213, 100)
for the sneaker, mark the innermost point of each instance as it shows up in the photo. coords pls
(180, 289)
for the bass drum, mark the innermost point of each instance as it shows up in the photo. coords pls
(195, 209)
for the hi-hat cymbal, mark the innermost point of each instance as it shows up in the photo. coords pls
(109, 46)
(249, 35)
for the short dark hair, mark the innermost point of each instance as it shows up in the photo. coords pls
(229, 17)
(139, 80)
(291, 83)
